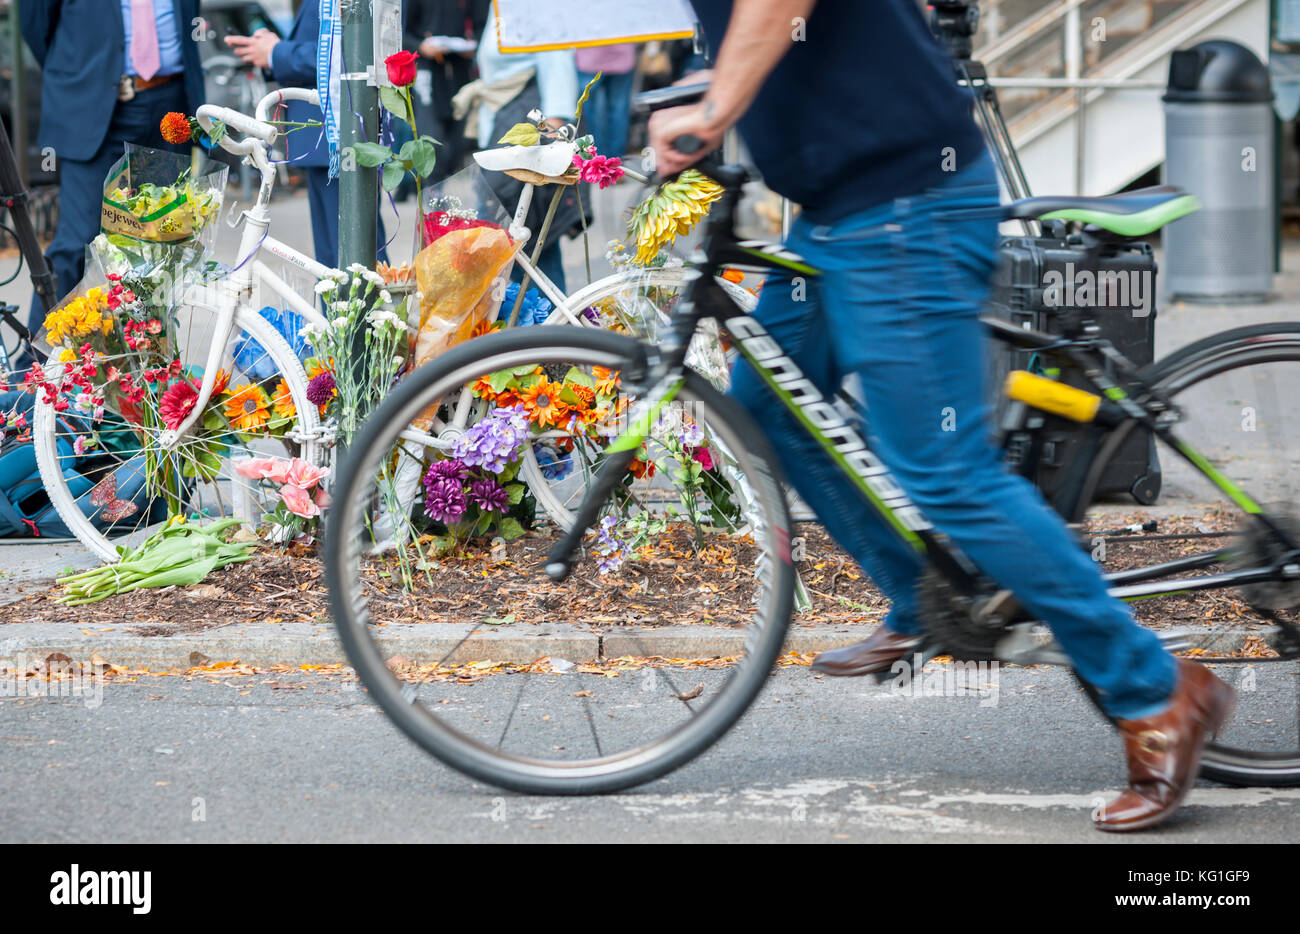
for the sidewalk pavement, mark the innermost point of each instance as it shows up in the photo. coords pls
(27, 565)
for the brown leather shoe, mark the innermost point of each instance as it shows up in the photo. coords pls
(876, 653)
(1164, 751)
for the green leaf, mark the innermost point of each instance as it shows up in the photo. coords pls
(510, 471)
(530, 380)
(371, 154)
(500, 380)
(499, 620)
(521, 134)
(577, 111)
(418, 156)
(394, 101)
(516, 493)
(394, 172)
(511, 529)
(576, 375)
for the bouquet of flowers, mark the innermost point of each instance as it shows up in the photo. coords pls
(161, 197)
(463, 267)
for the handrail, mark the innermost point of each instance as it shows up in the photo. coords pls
(1027, 30)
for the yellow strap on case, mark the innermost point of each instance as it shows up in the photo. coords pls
(1051, 396)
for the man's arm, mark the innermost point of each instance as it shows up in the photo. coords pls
(38, 19)
(758, 36)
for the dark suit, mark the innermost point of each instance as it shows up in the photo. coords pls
(81, 47)
(293, 64)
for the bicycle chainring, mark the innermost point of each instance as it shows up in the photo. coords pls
(952, 622)
(1255, 547)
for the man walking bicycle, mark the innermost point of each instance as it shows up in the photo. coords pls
(851, 110)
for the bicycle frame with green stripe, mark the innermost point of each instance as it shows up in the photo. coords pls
(1122, 396)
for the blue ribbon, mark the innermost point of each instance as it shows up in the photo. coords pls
(327, 45)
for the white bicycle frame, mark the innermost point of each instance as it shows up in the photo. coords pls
(236, 288)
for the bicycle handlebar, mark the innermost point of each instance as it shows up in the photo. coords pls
(257, 130)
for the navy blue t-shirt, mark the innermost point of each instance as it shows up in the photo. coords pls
(861, 110)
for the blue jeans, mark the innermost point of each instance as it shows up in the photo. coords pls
(606, 111)
(897, 305)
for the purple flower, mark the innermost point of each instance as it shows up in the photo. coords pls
(321, 388)
(444, 500)
(493, 441)
(489, 495)
(453, 469)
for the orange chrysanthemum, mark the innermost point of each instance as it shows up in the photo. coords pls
(586, 396)
(220, 382)
(248, 408)
(733, 275)
(542, 404)
(282, 401)
(176, 128)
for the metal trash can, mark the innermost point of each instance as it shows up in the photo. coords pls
(1219, 146)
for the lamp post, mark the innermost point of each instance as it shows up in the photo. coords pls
(358, 122)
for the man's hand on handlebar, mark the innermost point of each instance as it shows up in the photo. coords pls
(668, 127)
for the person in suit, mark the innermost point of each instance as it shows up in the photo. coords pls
(292, 62)
(110, 70)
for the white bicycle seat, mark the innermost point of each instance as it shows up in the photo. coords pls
(550, 159)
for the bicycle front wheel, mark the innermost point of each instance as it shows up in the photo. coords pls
(1236, 394)
(654, 646)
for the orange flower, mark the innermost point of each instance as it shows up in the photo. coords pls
(219, 383)
(606, 380)
(248, 408)
(176, 128)
(282, 401)
(733, 275)
(483, 389)
(586, 396)
(543, 405)
(508, 399)
(640, 468)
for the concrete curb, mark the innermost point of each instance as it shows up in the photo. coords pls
(312, 644)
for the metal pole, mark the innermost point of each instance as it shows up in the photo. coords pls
(358, 122)
(18, 92)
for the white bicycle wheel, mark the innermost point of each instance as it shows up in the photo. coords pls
(91, 490)
(640, 303)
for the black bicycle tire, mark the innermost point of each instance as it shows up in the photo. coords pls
(1208, 357)
(669, 752)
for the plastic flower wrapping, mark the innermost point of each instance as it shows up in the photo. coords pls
(462, 267)
(155, 196)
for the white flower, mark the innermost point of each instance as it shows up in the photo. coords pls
(325, 286)
(385, 297)
(341, 306)
(357, 268)
(340, 323)
(372, 277)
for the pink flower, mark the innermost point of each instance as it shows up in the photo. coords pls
(302, 474)
(704, 457)
(322, 498)
(275, 469)
(299, 501)
(600, 170)
(177, 402)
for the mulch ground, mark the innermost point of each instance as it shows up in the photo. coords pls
(505, 586)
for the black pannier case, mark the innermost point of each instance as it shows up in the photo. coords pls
(1031, 288)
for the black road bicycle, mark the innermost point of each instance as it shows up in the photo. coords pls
(610, 707)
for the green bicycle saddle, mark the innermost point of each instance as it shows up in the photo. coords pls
(1129, 214)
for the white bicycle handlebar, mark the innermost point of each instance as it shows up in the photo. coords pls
(258, 131)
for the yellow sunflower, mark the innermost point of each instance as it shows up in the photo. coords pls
(248, 408)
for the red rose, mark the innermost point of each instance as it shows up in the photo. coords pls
(401, 68)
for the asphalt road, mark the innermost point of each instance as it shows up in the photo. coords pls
(309, 758)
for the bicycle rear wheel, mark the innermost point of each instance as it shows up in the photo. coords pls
(1236, 392)
(657, 643)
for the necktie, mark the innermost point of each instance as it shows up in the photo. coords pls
(144, 39)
